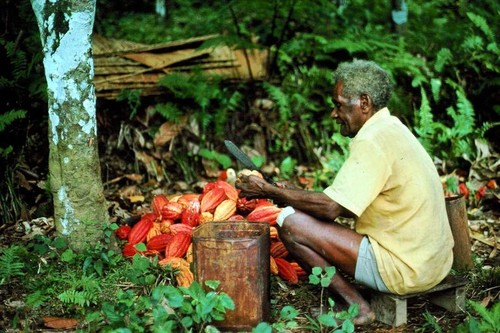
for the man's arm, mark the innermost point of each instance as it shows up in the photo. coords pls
(316, 204)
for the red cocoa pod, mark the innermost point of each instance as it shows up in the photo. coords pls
(236, 217)
(245, 206)
(172, 211)
(264, 213)
(301, 273)
(139, 232)
(191, 215)
(178, 245)
(123, 231)
(212, 199)
(230, 190)
(158, 243)
(129, 250)
(158, 202)
(180, 227)
(278, 250)
(286, 271)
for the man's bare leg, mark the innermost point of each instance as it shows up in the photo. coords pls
(315, 243)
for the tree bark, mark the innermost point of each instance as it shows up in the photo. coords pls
(80, 208)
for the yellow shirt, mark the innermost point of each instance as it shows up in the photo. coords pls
(391, 184)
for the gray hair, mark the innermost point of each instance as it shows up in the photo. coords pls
(365, 77)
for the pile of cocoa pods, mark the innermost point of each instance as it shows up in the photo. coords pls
(167, 230)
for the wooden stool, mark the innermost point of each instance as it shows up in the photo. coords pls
(391, 309)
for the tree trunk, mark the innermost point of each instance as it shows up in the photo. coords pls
(80, 208)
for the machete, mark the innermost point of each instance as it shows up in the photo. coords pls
(244, 159)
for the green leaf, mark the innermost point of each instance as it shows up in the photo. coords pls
(212, 284)
(68, 255)
(288, 312)
(317, 270)
(327, 320)
(263, 328)
(59, 243)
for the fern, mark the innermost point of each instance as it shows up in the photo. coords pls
(11, 264)
(82, 292)
(281, 100)
(9, 117)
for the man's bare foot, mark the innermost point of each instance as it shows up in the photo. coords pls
(364, 317)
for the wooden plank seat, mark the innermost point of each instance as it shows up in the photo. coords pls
(391, 309)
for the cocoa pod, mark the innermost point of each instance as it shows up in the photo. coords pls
(301, 273)
(273, 266)
(264, 213)
(187, 198)
(212, 199)
(159, 243)
(178, 245)
(191, 215)
(172, 211)
(180, 227)
(139, 232)
(189, 253)
(236, 217)
(278, 250)
(229, 190)
(183, 275)
(165, 226)
(154, 231)
(123, 231)
(206, 217)
(273, 233)
(129, 250)
(158, 202)
(225, 210)
(286, 271)
(245, 206)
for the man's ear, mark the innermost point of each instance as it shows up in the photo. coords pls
(365, 102)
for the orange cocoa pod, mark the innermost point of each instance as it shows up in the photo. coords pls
(158, 202)
(301, 273)
(180, 227)
(273, 266)
(123, 231)
(212, 199)
(178, 245)
(183, 275)
(165, 226)
(191, 215)
(189, 253)
(230, 190)
(264, 213)
(172, 211)
(286, 271)
(158, 243)
(154, 231)
(225, 210)
(278, 250)
(187, 198)
(273, 232)
(139, 232)
(206, 217)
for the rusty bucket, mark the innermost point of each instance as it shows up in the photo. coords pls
(237, 255)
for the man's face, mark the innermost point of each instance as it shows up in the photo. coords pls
(347, 112)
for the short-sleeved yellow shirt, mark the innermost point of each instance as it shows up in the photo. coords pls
(391, 184)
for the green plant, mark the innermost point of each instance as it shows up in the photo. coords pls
(11, 263)
(133, 99)
(327, 320)
(167, 309)
(488, 319)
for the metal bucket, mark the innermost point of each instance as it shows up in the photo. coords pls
(237, 255)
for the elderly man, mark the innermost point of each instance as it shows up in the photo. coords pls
(402, 242)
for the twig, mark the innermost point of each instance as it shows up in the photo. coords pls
(238, 32)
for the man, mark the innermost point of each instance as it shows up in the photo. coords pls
(402, 242)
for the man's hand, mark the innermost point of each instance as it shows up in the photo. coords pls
(251, 186)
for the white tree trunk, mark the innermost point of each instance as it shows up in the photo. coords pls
(75, 180)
